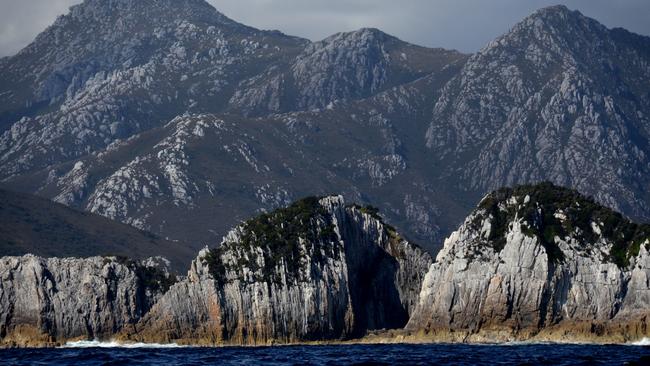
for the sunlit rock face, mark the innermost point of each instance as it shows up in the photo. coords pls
(316, 270)
(537, 258)
(47, 301)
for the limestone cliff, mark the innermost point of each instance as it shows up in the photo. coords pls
(316, 270)
(539, 262)
(533, 262)
(49, 301)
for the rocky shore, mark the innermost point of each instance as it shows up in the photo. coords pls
(533, 263)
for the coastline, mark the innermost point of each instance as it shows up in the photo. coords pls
(558, 335)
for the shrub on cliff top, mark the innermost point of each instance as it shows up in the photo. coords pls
(278, 234)
(545, 201)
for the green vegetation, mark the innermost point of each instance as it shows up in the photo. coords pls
(278, 234)
(370, 210)
(394, 237)
(149, 277)
(154, 278)
(215, 265)
(539, 212)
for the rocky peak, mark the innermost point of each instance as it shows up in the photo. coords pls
(148, 10)
(552, 34)
(96, 23)
(364, 37)
(538, 261)
(554, 13)
(539, 102)
(550, 215)
(105, 36)
(317, 269)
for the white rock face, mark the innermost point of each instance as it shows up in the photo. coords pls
(527, 263)
(46, 301)
(342, 274)
(519, 282)
(344, 67)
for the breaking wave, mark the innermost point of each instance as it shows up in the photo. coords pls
(114, 344)
(642, 342)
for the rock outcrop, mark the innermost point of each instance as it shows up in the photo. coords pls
(533, 262)
(317, 270)
(49, 301)
(539, 262)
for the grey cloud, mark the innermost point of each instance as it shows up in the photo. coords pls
(465, 25)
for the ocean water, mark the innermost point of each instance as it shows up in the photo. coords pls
(94, 353)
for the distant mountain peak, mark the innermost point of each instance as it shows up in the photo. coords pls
(362, 34)
(554, 28)
(559, 18)
(553, 10)
(150, 9)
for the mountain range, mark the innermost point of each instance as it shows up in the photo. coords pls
(170, 117)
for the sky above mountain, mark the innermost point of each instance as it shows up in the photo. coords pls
(465, 25)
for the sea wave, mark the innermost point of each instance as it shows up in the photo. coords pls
(642, 342)
(114, 344)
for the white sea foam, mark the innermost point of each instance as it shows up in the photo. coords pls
(642, 342)
(113, 344)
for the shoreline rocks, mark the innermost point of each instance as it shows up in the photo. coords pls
(44, 301)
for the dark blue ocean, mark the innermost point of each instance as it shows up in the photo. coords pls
(437, 354)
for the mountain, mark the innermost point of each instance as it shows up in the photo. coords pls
(101, 149)
(198, 175)
(136, 65)
(561, 98)
(39, 226)
(345, 66)
(530, 263)
(183, 122)
(539, 262)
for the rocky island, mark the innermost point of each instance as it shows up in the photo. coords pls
(530, 263)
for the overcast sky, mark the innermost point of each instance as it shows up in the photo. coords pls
(465, 25)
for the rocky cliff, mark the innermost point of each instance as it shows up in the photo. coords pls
(530, 263)
(48, 301)
(539, 262)
(317, 270)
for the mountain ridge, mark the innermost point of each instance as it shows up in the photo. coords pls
(34, 225)
(421, 133)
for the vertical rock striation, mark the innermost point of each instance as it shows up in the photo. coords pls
(316, 270)
(539, 261)
(48, 301)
